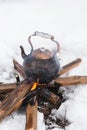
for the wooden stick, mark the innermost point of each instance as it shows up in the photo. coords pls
(31, 117)
(69, 66)
(5, 88)
(54, 98)
(19, 68)
(71, 80)
(14, 99)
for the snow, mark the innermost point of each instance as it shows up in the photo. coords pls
(67, 21)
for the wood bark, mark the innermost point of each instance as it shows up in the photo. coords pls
(71, 80)
(14, 100)
(5, 88)
(31, 117)
(69, 66)
(19, 68)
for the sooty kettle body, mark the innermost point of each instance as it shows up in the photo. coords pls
(41, 64)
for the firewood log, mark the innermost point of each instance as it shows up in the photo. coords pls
(31, 117)
(50, 96)
(69, 66)
(19, 68)
(13, 101)
(71, 80)
(5, 88)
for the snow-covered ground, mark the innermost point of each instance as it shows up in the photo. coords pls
(67, 21)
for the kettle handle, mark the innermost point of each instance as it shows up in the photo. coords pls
(43, 35)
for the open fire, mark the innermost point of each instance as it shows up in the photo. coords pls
(40, 88)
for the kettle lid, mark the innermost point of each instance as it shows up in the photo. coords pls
(42, 53)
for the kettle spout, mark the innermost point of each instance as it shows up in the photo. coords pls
(23, 52)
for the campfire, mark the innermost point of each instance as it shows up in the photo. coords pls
(39, 91)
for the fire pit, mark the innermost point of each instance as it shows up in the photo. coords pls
(40, 88)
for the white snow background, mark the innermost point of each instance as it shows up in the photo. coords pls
(67, 21)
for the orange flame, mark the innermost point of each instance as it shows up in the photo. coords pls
(34, 86)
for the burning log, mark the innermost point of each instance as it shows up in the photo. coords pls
(50, 96)
(31, 117)
(14, 100)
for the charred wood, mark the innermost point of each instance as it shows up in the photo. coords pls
(50, 96)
